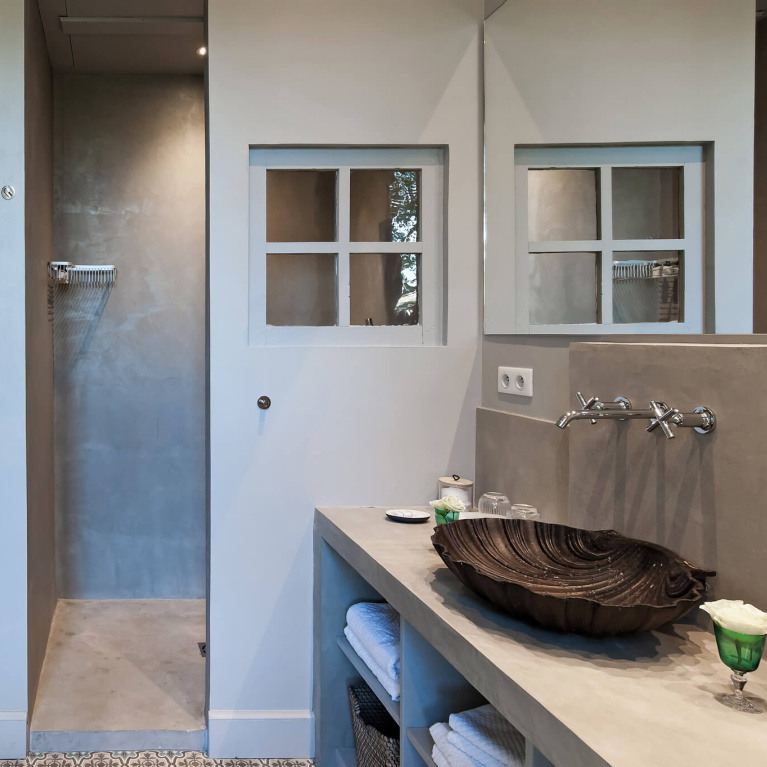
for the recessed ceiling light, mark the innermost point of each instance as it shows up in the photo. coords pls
(202, 51)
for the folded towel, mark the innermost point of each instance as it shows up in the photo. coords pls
(390, 685)
(376, 625)
(439, 758)
(455, 758)
(475, 754)
(486, 729)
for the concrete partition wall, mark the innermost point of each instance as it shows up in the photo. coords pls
(38, 86)
(354, 425)
(13, 491)
(601, 72)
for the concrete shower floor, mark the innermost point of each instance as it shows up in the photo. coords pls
(122, 675)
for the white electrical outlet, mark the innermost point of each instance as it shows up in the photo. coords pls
(517, 381)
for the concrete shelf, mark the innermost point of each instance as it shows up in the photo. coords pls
(391, 706)
(423, 743)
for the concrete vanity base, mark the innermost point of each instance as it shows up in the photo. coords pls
(648, 699)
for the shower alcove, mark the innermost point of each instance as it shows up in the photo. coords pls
(118, 665)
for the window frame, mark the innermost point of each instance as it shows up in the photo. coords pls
(430, 161)
(603, 159)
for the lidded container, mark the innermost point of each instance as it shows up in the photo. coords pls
(458, 486)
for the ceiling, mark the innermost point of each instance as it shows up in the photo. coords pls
(124, 36)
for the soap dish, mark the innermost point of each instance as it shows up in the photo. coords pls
(408, 515)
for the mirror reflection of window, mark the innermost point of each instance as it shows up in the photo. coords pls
(562, 205)
(646, 203)
(563, 288)
(646, 286)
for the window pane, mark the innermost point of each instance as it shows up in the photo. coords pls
(646, 286)
(385, 205)
(301, 205)
(384, 288)
(301, 289)
(646, 203)
(563, 288)
(562, 205)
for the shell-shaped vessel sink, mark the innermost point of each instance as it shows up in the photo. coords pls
(592, 582)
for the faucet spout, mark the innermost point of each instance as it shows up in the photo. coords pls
(564, 420)
(602, 415)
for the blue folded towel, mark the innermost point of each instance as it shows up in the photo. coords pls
(391, 686)
(376, 625)
(486, 729)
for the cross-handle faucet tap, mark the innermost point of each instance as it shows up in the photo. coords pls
(661, 416)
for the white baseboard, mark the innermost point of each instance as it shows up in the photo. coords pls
(13, 734)
(261, 734)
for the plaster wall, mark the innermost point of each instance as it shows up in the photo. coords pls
(13, 463)
(618, 73)
(38, 86)
(347, 426)
(699, 495)
(130, 364)
(760, 182)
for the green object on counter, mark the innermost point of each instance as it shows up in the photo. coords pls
(444, 516)
(741, 652)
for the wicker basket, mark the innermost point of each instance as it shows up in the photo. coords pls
(376, 734)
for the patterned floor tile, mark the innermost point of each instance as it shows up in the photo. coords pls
(145, 759)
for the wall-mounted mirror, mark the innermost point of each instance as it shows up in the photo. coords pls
(619, 194)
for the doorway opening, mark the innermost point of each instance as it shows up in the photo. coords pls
(118, 540)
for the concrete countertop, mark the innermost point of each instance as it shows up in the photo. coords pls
(635, 701)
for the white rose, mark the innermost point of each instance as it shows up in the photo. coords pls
(734, 615)
(449, 503)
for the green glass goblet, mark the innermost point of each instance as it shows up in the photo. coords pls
(741, 653)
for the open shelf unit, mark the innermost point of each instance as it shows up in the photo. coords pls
(431, 689)
(391, 706)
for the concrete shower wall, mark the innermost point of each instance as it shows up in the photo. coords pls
(38, 150)
(130, 371)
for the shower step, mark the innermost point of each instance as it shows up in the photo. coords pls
(46, 741)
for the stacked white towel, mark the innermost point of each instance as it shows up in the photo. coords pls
(373, 632)
(477, 738)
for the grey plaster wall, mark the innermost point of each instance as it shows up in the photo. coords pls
(130, 365)
(38, 160)
(701, 496)
(524, 458)
(760, 181)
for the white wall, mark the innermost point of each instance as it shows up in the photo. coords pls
(347, 425)
(600, 71)
(13, 491)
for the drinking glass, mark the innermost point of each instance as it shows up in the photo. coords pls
(523, 511)
(494, 503)
(741, 653)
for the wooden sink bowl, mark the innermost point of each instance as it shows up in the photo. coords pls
(592, 582)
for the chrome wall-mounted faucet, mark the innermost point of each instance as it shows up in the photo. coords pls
(660, 415)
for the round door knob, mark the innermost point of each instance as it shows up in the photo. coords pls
(264, 402)
(8, 192)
